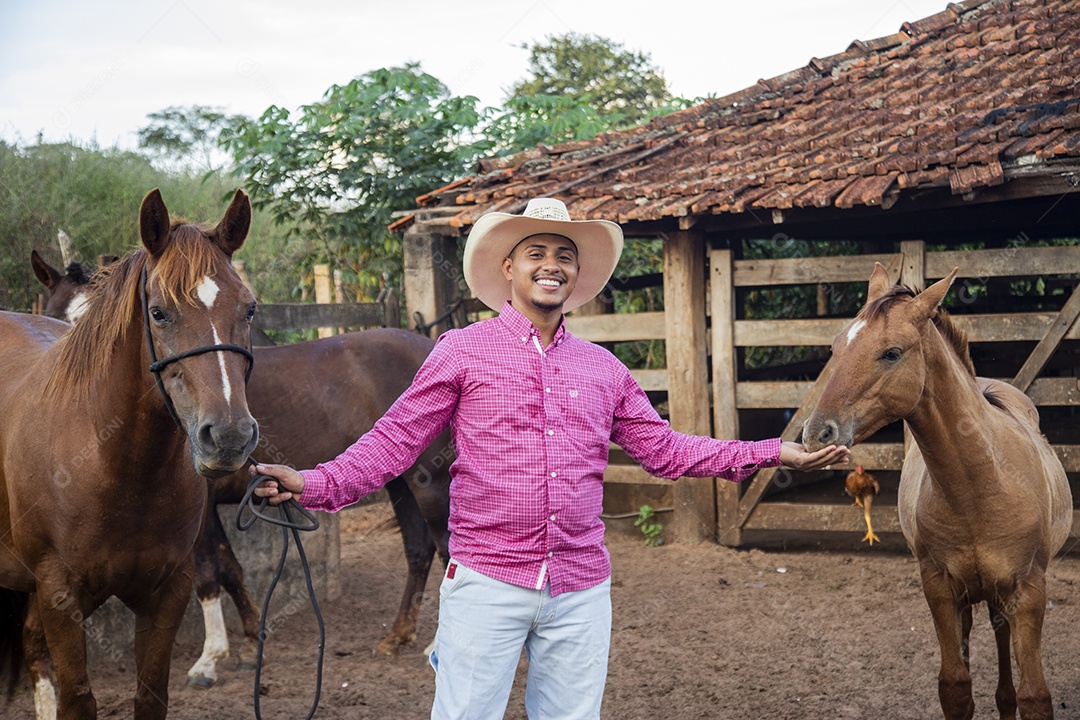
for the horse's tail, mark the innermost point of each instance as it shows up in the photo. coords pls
(13, 607)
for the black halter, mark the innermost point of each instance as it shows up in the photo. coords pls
(156, 366)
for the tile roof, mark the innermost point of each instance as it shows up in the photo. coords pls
(966, 98)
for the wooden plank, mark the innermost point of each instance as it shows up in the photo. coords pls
(724, 368)
(1001, 327)
(322, 293)
(809, 270)
(618, 328)
(998, 262)
(297, 316)
(913, 264)
(1061, 392)
(694, 517)
(431, 274)
(1049, 342)
(631, 475)
(835, 518)
(1070, 456)
(1005, 262)
(652, 380)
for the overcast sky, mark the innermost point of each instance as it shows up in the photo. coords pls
(94, 69)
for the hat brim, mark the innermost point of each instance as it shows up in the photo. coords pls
(494, 235)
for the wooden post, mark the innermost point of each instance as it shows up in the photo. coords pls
(694, 517)
(912, 274)
(432, 272)
(322, 293)
(724, 372)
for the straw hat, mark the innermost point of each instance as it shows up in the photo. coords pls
(494, 235)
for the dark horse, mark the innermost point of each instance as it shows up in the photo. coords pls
(100, 492)
(312, 400)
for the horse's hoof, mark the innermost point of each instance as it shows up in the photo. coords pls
(199, 682)
(246, 665)
(387, 648)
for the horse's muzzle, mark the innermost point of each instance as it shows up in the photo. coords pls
(223, 448)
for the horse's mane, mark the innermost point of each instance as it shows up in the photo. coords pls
(950, 331)
(76, 273)
(114, 305)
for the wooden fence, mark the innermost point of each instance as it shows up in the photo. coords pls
(739, 507)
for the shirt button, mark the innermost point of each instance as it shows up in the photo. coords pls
(552, 517)
(547, 389)
(524, 339)
(554, 474)
(551, 432)
(551, 554)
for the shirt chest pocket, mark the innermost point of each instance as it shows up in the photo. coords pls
(586, 403)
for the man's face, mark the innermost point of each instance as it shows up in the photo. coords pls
(542, 271)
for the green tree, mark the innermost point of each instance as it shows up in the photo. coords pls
(93, 195)
(337, 170)
(619, 85)
(187, 137)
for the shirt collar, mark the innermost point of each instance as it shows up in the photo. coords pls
(520, 326)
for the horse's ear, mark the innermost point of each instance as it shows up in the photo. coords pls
(879, 283)
(154, 223)
(46, 274)
(928, 300)
(231, 232)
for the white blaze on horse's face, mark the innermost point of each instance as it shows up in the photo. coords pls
(208, 291)
(76, 307)
(854, 330)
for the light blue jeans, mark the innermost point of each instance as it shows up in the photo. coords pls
(483, 624)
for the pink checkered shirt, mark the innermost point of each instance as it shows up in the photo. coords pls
(530, 428)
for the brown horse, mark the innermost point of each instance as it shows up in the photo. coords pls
(312, 400)
(91, 506)
(984, 501)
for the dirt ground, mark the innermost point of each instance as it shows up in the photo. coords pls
(699, 632)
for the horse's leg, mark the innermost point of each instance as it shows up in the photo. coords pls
(1029, 607)
(954, 679)
(419, 551)
(215, 566)
(62, 609)
(37, 657)
(1005, 697)
(965, 643)
(231, 577)
(157, 620)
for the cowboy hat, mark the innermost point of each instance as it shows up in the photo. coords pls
(494, 235)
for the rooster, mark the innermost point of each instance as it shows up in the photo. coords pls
(862, 486)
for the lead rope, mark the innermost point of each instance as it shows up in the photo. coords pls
(286, 522)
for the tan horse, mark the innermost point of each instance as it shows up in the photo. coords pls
(984, 501)
(90, 505)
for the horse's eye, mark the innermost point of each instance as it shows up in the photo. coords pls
(892, 354)
(158, 315)
(250, 312)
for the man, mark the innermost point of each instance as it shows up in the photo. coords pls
(532, 410)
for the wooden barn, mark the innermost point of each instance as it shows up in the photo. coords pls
(953, 142)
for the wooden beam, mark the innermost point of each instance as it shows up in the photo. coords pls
(1005, 262)
(992, 327)
(1049, 342)
(809, 270)
(688, 375)
(323, 293)
(289, 316)
(724, 369)
(806, 516)
(431, 274)
(618, 328)
(1062, 392)
(632, 475)
(913, 264)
